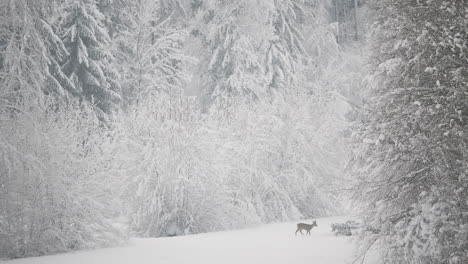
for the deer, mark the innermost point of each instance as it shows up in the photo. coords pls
(306, 227)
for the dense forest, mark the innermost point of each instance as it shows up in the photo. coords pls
(153, 118)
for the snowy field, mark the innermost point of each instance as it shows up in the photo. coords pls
(273, 243)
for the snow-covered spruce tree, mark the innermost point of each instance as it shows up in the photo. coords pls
(89, 62)
(51, 196)
(251, 49)
(285, 55)
(116, 15)
(412, 159)
(231, 35)
(29, 52)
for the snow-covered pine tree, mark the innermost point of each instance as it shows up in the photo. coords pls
(46, 203)
(29, 52)
(252, 49)
(231, 33)
(285, 55)
(89, 62)
(412, 160)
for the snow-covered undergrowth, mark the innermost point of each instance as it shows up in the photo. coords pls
(273, 243)
(101, 128)
(181, 172)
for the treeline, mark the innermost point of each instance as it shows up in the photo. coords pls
(411, 158)
(100, 137)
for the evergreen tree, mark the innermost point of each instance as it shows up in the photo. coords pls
(231, 67)
(285, 55)
(115, 14)
(89, 63)
(30, 50)
(412, 161)
(252, 49)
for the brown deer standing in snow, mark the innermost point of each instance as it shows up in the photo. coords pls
(306, 227)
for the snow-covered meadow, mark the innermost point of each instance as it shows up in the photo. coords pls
(264, 244)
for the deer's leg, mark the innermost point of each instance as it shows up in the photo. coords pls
(308, 231)
(301, 232)
(296, 232)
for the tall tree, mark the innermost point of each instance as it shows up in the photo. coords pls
(89, 62)
(285, 55)
(412, 159)
(232, 44)
(252, 49)
(150, 51)
(30, 51)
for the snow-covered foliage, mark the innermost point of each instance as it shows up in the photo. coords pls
(412, 161)
(274, 148)
(52, 192)
(170, 177)
(25, 63)
(230, 68)
(150, 55)
(345, 229)
(259, 142)
(185, 172)
(252, 49)
(52, 183)
(88, 63)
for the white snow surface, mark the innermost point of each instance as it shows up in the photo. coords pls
(272, 243)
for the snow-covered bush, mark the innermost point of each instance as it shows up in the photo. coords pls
(171, 174)
(288, 161)
(52, 185)
(183, 172)
(345, 229)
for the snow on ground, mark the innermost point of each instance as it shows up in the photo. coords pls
(269, 244)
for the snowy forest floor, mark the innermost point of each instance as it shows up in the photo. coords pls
(272, 243)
